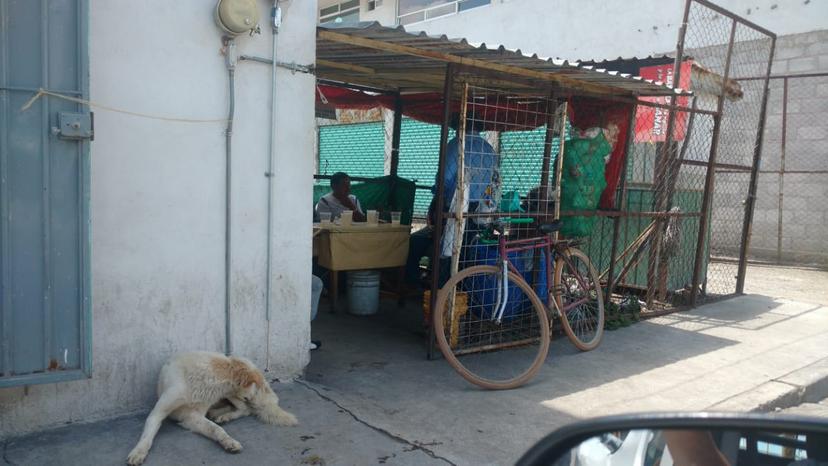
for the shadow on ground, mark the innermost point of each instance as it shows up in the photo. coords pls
(377, 367)
(764, 312)
(371, 397)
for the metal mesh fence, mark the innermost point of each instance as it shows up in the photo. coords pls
(727, 48)
(678, 227)
(660, 209)
(791, 213)
(501, 169)
(419, 157)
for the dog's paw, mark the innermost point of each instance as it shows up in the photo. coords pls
(287, 420)
(231, 445)
(222, 418)
(136, 457)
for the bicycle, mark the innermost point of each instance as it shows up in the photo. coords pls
(488, 320)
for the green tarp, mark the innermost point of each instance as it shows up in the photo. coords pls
(582, 181)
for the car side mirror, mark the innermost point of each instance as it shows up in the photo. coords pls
(679, 439)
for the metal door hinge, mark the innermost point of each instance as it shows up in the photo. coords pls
(75, 126)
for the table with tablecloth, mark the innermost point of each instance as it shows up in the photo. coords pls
(359, 247)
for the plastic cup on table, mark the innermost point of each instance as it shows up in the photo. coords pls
(347, 218)
(324, 218)
(373, 218)
(395, 218)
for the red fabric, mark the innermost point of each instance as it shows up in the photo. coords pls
(651, 122)
(495, 113)
(586, 113)
(340, 97)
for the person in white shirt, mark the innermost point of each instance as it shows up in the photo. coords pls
(340, 198)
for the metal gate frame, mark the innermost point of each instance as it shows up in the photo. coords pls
(783, 170)
(712, 165)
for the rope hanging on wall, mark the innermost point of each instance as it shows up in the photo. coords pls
(43, 92)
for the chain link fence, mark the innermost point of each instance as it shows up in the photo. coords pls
(659, 211)
(727, 49)
(791, 211)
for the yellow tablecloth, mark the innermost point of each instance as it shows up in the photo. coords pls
(361, 247)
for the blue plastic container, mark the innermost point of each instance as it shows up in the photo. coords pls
(482, 290)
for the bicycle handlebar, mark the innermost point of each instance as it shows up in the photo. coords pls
(513, 220)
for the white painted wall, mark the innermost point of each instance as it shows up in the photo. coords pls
(586, 29)
(385, 14)
(157, 207)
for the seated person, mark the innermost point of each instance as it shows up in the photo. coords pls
(340, 199)
(481, 163)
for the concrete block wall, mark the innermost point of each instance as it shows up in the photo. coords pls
(804, 195)
(804, 199)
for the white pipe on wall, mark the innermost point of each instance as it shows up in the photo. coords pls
(276, 22)
(230, 62)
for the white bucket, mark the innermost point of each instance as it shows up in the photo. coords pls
(363, 292)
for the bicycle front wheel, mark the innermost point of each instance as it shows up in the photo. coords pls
(491, 354)
(580, 300)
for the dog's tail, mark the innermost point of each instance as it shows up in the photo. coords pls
(266, 407)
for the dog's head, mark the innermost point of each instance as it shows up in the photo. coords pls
(252, 387)
(248, 379)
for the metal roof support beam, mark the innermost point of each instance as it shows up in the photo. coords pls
(345, 66)
(395, 135)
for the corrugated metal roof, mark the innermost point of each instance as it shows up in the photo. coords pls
(390, 58)
(704, 80)
(629, 65)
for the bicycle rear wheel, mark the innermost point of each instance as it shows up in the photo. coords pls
(580, 300)
(491, 355)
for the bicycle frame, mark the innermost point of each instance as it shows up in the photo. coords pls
(550, 247)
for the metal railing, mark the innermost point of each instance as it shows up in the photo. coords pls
(437, 11)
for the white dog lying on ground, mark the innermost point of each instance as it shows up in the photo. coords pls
(190, 387)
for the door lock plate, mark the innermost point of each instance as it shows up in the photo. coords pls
(75, 126)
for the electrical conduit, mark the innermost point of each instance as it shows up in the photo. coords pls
(230, 62)
(276, 22)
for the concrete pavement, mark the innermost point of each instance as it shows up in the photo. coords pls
(370, 397)
(803, 284)
(711, 358)
(326, 435)
(814, 409)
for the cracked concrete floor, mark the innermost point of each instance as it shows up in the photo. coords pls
(327, 435)
(370, 397)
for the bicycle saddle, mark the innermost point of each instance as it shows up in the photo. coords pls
(547, 228)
